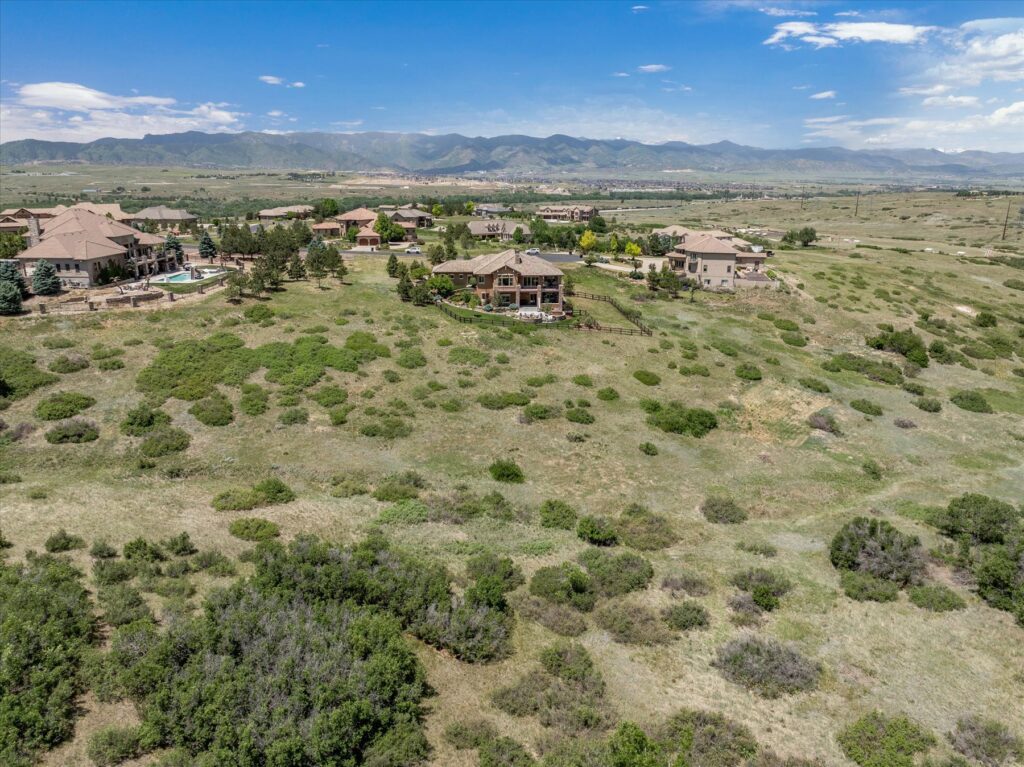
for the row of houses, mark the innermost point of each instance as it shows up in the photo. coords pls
(17, 219)
(88, 248)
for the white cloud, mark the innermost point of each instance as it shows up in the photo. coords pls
(620, 74)
(41, 111)
(271, 79)
(801, 87)
(823, 95)
(950, 101)
(853, 14)
(784, 12)
(639, 8)
(276, 113)
(925, 90)
(651, 68)
(848, 31)
(985, 52)
(1000, 130)
(78, 98)
(347, 123)
(298, 84)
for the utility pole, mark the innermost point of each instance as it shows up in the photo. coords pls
(856, 207)
(1007, 219)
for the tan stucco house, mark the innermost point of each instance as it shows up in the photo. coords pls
(716, 265)
(507, 278)
(570, 213)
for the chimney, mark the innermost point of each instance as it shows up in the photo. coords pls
(519, 257)
(33, 231)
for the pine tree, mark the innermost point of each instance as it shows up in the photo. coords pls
(235, 286)
(45, 281)
(296, 269)
(9, 272)
(332, 261)
(10, 298)
(392, 265)
(342, 271)
(173, 246)
(404, 287)
(207, 249)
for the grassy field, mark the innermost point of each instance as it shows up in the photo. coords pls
(799, 485)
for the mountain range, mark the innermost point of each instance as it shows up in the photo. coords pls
(552, 156)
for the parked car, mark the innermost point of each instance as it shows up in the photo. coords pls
(413, 250)
(533, 251)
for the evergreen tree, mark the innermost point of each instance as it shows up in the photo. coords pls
(235, 286)
(404, 287)
(268, 271)
(392, 265)
(207, 249)
(45, 281)
(10, 272)
(10, 298)
(173, 246)
(341, 272)
(653, 278)
(333, 262)
(296, 269)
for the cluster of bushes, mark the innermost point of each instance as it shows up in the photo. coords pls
(881, 556)
(882, 371)
(46, 626)
(677, 418)
(254, 529)
(500, 401)
(971, 401)
(142, 420)
(214, 410)
(723, 511)
(73, 431)
(905, 342)
(164, 440)
(766, 667)
(20, 375)
(268, 492)
(877, 740)
(765, 587)
(63, 405)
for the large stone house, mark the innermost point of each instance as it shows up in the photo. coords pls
(368, 238)
(359, 217)
(163, 217)
(84, 247)
(498, 229)
(270, 215)
(415, 216)
(716, 265)
(567, 213)
(508, 278)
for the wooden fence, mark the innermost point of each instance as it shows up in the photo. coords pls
(581, 321)
(632, 315)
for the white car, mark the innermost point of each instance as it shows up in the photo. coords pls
(533, 251)
(413, 250)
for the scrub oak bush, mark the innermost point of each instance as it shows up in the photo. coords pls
(564, 584)
(867, 407)
(74, 431)
(214, 410)
(723, 511)
(865, 587)
(748, 372)
(764, 586)
(269, 492)
(630, 623)
(506, 470)
(971, 401)
(983, 519)
(63, 405)
(579, 415)
(905, 342)
(164, 440)
(613, 575)
(143, 419)
(676, 418)
(648, 448)
(928, 404)
(686, 616)
(936, 598)
(768, 668)
(596, 530)
(490, 565)
(986, 741)
(647, 378)
(254, 529)
(607, 394)
(876, 740)
(69, 363)
(62, 540)
(640, 528)
(875, 547)
(816, 385)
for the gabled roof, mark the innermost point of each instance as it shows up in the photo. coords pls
(327, 225)
(368, 231)
(674, 230)
(76, 219)
(359, 214)
(163, 213)
(111, 209)
(413, 213)
(284, 211)
(80, 234)
(75, 246)
(710, 245)
(530, 266)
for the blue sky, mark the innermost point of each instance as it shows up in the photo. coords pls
(773, 74)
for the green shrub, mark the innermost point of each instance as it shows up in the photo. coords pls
(255, 399)
(471, 734)
(62, 540)
(936, 597)
(597, 531)
(386, 427)
(647, 378)
(411, 359)
(815, 384)
(258, 313)
(20, 374)
(329, 396)
(490, 565)
(123, 604)
(506, 470)
(748, 372)
(971, 401)
(579, 415)
(539, 412)
(707, 738)
(179, 545)
(405, 512)
(648, 448)
(142, 420)
(557, 514)
(905, 342)
(102, 549)
(757, 547)
(865, 587)
(538, 381)
(113, 745)
(875, 547)
(694, 370)
(686, 616)
(986, 320)
(58, 342)
(766, 667)
(464, 355)
(629, 623)
(722, 511)
(500, 401)
(73, 432)
(564, 584)
(986, 740)
(254, 529)
(928, 404)
(876, 740)
(784, 324)
(504, 752)
(676, 418)
(607, 394)
(616, 574)
(141, 550)
(68, 363)
(557, 618)
(823, 422)
(63, 405)
(911, 387)
(866, 406)
(293, 416)
(764, 587)
(583, 380)
(214, 410)
(640, 528)
(109, 571)
(164, 440)
(983, 519)
(882, 371)
(268, 492)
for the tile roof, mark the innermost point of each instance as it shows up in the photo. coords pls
(78, 233)
(359, 214)
(530, 266)
(284, 211)
(709, 245)
(163, 213)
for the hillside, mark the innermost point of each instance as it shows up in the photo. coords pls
(514, 154)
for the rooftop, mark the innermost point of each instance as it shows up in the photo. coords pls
(530, 266)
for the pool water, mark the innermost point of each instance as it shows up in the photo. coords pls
(179, 277)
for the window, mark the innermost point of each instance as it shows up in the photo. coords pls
(704, 268)
(78, 267)
(728, 269)
(505, 281)
(531, 282)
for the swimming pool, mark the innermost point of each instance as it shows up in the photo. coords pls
(181, 277)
